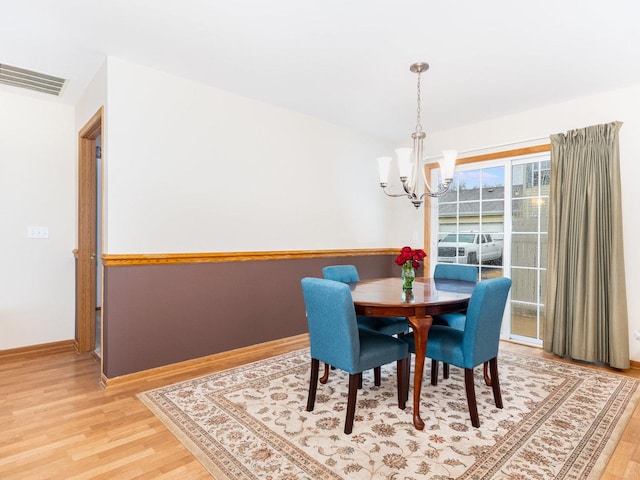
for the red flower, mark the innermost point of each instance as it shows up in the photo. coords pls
(408, 254)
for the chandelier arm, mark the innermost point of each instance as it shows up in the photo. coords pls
(442, 189)
(413, 198)
(389, 194)
(409, 189)
(427, 186)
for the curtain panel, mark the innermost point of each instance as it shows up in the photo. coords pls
(586, 302)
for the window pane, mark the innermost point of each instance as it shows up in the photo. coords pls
(524, 215)
(544, 214)
(469, 216)
(491, 272)
(493, 183)
(524, 287)
(517, 181)
(545, 177)
(524, 250)
(493, 211)
(543, 250)
(469, 185)
(524, 320)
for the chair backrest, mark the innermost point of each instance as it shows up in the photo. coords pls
(341, 273)
(454, 271)
(331, 316)
(481, 336)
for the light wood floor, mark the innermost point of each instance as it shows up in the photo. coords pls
(56, 422)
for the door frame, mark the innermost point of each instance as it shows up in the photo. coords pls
(85, 253)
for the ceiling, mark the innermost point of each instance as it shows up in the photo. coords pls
(346, 61)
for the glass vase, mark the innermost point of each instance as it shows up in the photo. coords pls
(408, 276)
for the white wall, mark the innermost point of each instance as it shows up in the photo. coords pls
(622, 105)
(195, 169)
(37, 187)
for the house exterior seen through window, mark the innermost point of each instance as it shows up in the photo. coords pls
(495, 216)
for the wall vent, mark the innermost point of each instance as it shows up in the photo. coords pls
(19, 77)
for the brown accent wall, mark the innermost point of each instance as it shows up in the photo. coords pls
(159, 314)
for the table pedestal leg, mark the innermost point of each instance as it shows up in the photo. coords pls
(420, 326)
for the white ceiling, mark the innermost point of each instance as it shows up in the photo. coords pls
(346, 61)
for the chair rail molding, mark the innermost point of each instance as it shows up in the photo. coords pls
(113, 260)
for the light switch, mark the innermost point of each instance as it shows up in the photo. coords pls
(37, 232)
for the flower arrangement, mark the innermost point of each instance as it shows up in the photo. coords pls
(408, 254)
(409, 259)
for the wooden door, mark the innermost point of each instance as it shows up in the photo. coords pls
(85, 254)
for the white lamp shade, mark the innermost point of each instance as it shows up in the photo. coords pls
(405, 163)
(448, 164)
(384, 164)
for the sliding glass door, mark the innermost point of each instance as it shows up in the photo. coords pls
(495, 217)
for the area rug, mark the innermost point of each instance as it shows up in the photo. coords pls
(559, 421)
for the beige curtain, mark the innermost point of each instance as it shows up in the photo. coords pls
(586, 302)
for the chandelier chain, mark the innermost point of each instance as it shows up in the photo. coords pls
(419, 108)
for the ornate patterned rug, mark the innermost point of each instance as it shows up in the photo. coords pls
(559, 421)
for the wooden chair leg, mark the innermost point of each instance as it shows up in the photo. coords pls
(471, 397)
(434, 372)
(445, 370)
(403, 383)
(377, 376)
(313, 384)
(487, 378)
(495, 382)
(325, 377)
(354, 381)
(407, 377)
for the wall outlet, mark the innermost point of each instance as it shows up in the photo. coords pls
(37, 232)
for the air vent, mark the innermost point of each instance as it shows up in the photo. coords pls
(19, 77)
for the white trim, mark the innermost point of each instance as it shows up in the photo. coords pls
(490, 147)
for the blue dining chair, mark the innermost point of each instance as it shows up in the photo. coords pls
(451, 271)
(386, 325)
(477, 343)
(336, 340)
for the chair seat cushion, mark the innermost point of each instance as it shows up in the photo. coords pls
(386, 325)
(453, 320)
(378, 349)
(444, 344)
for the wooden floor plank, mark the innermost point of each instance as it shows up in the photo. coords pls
(56, 422)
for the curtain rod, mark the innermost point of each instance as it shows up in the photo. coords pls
(497, 145)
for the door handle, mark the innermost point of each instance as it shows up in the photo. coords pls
(92, 256)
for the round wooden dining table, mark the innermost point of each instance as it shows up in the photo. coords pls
(385, 297)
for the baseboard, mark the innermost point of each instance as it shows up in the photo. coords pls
(62, 346)
(239, 356)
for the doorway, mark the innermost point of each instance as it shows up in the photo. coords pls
(87, 250)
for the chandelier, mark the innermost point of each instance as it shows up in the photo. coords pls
(410, 161)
